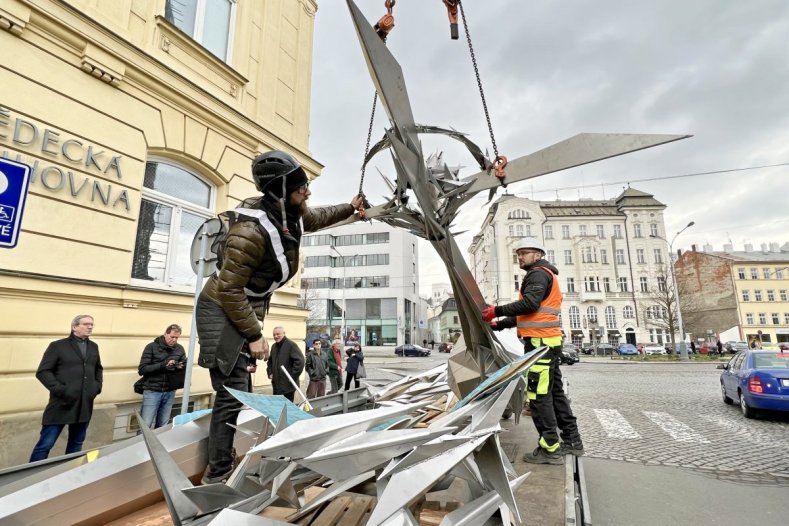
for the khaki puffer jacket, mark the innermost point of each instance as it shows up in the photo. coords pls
(248, 262)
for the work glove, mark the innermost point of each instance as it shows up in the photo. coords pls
(488, 313)
(495, 326)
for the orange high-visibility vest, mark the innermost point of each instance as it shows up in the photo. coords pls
(544, 322)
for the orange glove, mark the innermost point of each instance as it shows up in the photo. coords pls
(488, 313)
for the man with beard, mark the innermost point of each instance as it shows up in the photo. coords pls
(257, 254)
(536, 316)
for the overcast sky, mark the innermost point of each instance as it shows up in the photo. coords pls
(716, 69)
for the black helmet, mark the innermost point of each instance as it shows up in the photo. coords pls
(272, 166)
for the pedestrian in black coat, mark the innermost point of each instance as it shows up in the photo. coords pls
(71, 370)
(284, 352)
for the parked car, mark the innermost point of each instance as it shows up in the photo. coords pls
(603, 349)
(570, 355)
(735, 347)
(445, 347)
(758, 380)
(411, 350)
(654, 348)
(587, 348)
(626, 349)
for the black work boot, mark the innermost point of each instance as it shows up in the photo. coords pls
(541, 456)
(572, 447)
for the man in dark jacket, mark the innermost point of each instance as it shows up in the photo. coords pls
(258, 254)
(317, 367)
(162, 368)
(71, 370)
(284, 353)
(536, 316)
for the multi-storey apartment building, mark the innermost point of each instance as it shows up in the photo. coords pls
(363, 276)
(611, 256)
(747, 291)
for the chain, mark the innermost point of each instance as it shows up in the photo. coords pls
(367, 146)
(479, 80)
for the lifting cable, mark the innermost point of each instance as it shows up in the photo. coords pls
(500, 161)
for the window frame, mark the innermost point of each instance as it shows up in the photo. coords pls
(178, 206)
(199, 29)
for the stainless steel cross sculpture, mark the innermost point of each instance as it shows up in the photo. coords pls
(440, 197)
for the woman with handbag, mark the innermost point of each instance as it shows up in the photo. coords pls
(355, 367)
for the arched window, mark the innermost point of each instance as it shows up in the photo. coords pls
(175, 202)
(575, 318)
(628, 313)
(610, 317)
(591, 314)
(518, 214)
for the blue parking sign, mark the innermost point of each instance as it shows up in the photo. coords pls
(14, 179)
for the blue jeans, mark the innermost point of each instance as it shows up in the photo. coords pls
(50, 434)
(156, 407)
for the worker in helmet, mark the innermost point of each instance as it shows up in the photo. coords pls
(257, 253)
(536, 316)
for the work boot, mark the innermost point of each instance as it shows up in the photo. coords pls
(506, 414)
(574, 447)
(221, 479)
(541, 456)
(526, 411)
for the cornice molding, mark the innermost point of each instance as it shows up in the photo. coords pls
(14, 17)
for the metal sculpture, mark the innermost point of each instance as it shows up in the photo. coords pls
(441, 196)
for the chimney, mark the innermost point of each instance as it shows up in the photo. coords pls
(764, 248)
(707, 247)
(775, 247)
(693, 247)
(748, 247)
(728, 248)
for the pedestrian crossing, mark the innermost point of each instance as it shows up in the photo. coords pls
(615, 425)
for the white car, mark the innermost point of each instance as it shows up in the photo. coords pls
(654, 348)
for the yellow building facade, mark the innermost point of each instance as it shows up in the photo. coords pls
(762, 290)
(139, 119)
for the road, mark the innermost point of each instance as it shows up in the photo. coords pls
(662, 447)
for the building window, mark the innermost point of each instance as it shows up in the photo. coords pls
(610, 317)
(620, 256)
(746, 295)
(661, 283)
(550, 256)
(589, 255)
(209, 22)
(749, 319)
(548, 231)
(786, 318)
(776, 318)
(568, 257)
(582, 230)
(618, 231)
(658, 256)
(591, 284)
(653, 229)
(622, 284)
(644, 283)
(570, 284)
(591, 314)
(511, 229)
(607, 284)
(518, 214)
(518, 230)
(603, 256)
(637, 230)
(517, 283)
(770, 295)
(565, 231)
(762, 318)
(779, 273)
(316, 240)
(754, 273)
(174, 205)
(741, 273)
(766, 273)
(575, 318)
(528, 230)
(757, 295)
(628, 312)
(601, 231)
(640, 258)
(362, 239)
(782, 295)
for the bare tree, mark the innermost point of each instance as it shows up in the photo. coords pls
(661, 313)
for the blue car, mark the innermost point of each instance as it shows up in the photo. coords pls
(626, 348)
(758, 380)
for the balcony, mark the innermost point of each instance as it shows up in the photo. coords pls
(597, 295)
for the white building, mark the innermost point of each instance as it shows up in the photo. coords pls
(365, 274)
(611, 256)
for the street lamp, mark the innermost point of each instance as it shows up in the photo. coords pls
(683, 349)
(342, 327)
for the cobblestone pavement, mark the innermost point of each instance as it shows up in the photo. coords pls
(672, 414)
